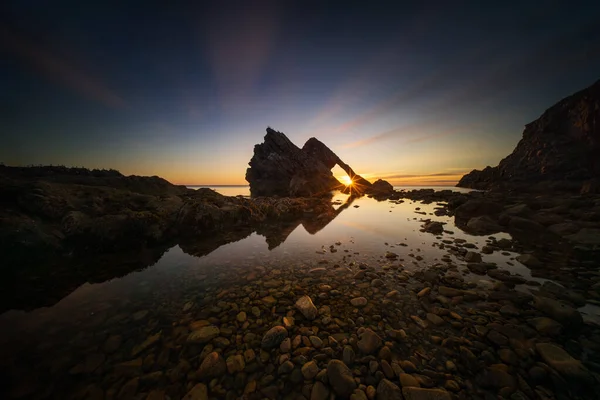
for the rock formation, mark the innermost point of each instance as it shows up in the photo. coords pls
(280, 168)
(560, 150)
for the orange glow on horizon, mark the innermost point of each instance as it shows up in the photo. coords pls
(346, 180)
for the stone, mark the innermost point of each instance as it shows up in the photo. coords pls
(483, 225)
(348, 355)
(274, 337)
(562, 362)
(586, 236)
(198, 392)
(473, 257)
(285, 368)
(204, 334)
(546, 326)
(386, 390)
(269, 301)
(212, 366)
(497, 338)
(112, 344)
(235, 363)
(310, 370)
(434, 227)
(316, 341)
(434, 319)
(407, 380)
(129, 389)
(369, 342)
(149, 342)
(319, 391)
(307, 308)
(450, 292)
(529, 260)
(497, 378)
(414, 393)
(381, 186)
(241, 317)
(286, 345)
(559, 311)
(340, 378)
(359, 302)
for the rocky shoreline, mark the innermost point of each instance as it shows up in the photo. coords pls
(343, 329)
(349, 329)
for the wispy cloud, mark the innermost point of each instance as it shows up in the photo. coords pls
(60, 70)
(414, 133)
(239, 46)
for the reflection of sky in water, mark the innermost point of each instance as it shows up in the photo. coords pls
(364, 230)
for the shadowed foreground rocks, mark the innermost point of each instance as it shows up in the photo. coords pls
(52, 210)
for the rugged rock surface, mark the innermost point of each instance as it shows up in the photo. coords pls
(280, 168)
(560, 150)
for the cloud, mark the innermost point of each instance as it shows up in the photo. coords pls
(238, 46)
(414, 132)
(59, 70)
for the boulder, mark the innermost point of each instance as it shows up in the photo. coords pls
(483, 225)
(381, 187)
(559, 311)
(562, 362)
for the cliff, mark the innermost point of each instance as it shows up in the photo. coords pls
(561, 149)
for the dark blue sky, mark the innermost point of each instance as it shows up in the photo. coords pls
(399, 91)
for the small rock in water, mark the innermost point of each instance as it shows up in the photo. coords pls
(369, 342)
(198, 392)
(274, 337)
(562, 361)
(413, 393)
(359, 302)
(340, 378)
(473, 257)
(387, 390)
(307, 308)
(559, 311)
(204, 334)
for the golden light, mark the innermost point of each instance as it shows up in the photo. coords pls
(346, 180)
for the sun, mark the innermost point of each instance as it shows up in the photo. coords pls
(346, 180)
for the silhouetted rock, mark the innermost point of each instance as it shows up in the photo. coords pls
(381, 186)
(558, 151)
(279, 168)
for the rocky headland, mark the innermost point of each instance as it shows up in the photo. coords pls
(280, 168)
(560, 151)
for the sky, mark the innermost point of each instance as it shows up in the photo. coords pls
(412, 92)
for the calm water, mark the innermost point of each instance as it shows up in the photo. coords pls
(244, 190)
(48, 348)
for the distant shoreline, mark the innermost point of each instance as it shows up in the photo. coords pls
(423, 186)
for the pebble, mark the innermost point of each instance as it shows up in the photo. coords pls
(340, 378)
